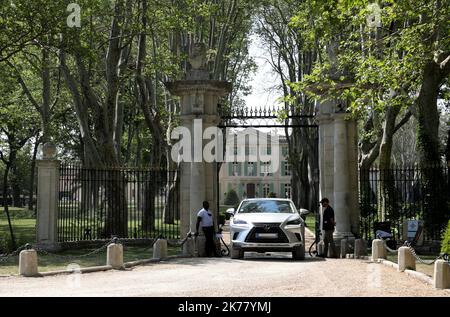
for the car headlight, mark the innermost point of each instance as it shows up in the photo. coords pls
(294, 222)
(239, 222)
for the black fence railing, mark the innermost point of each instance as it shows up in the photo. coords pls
(97, 204)
(391, 196)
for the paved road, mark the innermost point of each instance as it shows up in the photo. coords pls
(256, 275)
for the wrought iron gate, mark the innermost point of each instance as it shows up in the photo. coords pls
(292, 120)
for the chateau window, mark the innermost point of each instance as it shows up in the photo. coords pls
(265, 169)
(287, 190)
(266, 190)
(235, 169)
(287, 168)
(251, 170)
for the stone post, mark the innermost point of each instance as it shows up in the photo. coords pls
(338, 162)
(406, 259)
(199, 111)
(321, 248)
(160, 249)
(332, 252)
(343, 248)
(342, 188)
(360, 248)
(28, 263)
(189, 247)
(47, 199)
(441, 274)
(378, 250)
(200, 243)
(114, 256)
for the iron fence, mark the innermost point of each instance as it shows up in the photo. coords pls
(97, 204)
(388, 197)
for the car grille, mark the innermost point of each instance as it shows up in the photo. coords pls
(267, 228)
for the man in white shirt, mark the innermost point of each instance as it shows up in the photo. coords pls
(205, 218)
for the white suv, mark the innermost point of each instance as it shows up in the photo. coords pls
(267, 225)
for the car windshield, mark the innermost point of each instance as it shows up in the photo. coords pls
(266, 206)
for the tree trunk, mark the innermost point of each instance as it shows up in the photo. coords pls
(149, 204)
(32, 176)
(5, 205)
(387, 202)
(16, 190)
(116, 223)
(427, 115)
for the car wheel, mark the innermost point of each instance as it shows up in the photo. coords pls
(236, 253)
(298, 253)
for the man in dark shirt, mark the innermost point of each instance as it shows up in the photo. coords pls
(328, 224)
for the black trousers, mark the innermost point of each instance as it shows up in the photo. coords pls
(328, 238)
(210, 246)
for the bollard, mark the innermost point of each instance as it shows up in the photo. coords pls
(406, 259)
(344, 248)
(189, 247)
(200, 244)
(360, 248)
(28, 263)
(441, 274)
(331, 250)
(114, 256)
(378, 250)
(364, 248)
(320, 248)
(160, 249)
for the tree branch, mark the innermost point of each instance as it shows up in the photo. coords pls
(445, 67)
(402, 122)
(25, 88)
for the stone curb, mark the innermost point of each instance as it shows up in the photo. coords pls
(93, 269)
(388, 263)
(414, 274)
(90, 269)
(420, 276)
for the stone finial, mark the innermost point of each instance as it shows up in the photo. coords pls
(48, 151)
(197, 58)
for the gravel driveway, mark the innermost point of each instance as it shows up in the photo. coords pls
(256, 275)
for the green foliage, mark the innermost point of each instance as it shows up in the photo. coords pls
(376, 61)
(272, 195)
(231, 198)
(445, 244)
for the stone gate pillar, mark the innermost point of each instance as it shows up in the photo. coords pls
(338, 152)
(199, 99)
(338, 161)
(47, 199)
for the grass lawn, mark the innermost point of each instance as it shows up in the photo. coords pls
(24, 226)
(311, 222)
(51, 263)
(420, 267)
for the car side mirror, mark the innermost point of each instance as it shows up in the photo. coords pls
(303, 212)
(230, 211)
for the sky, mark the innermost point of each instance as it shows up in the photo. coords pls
(263, 80)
